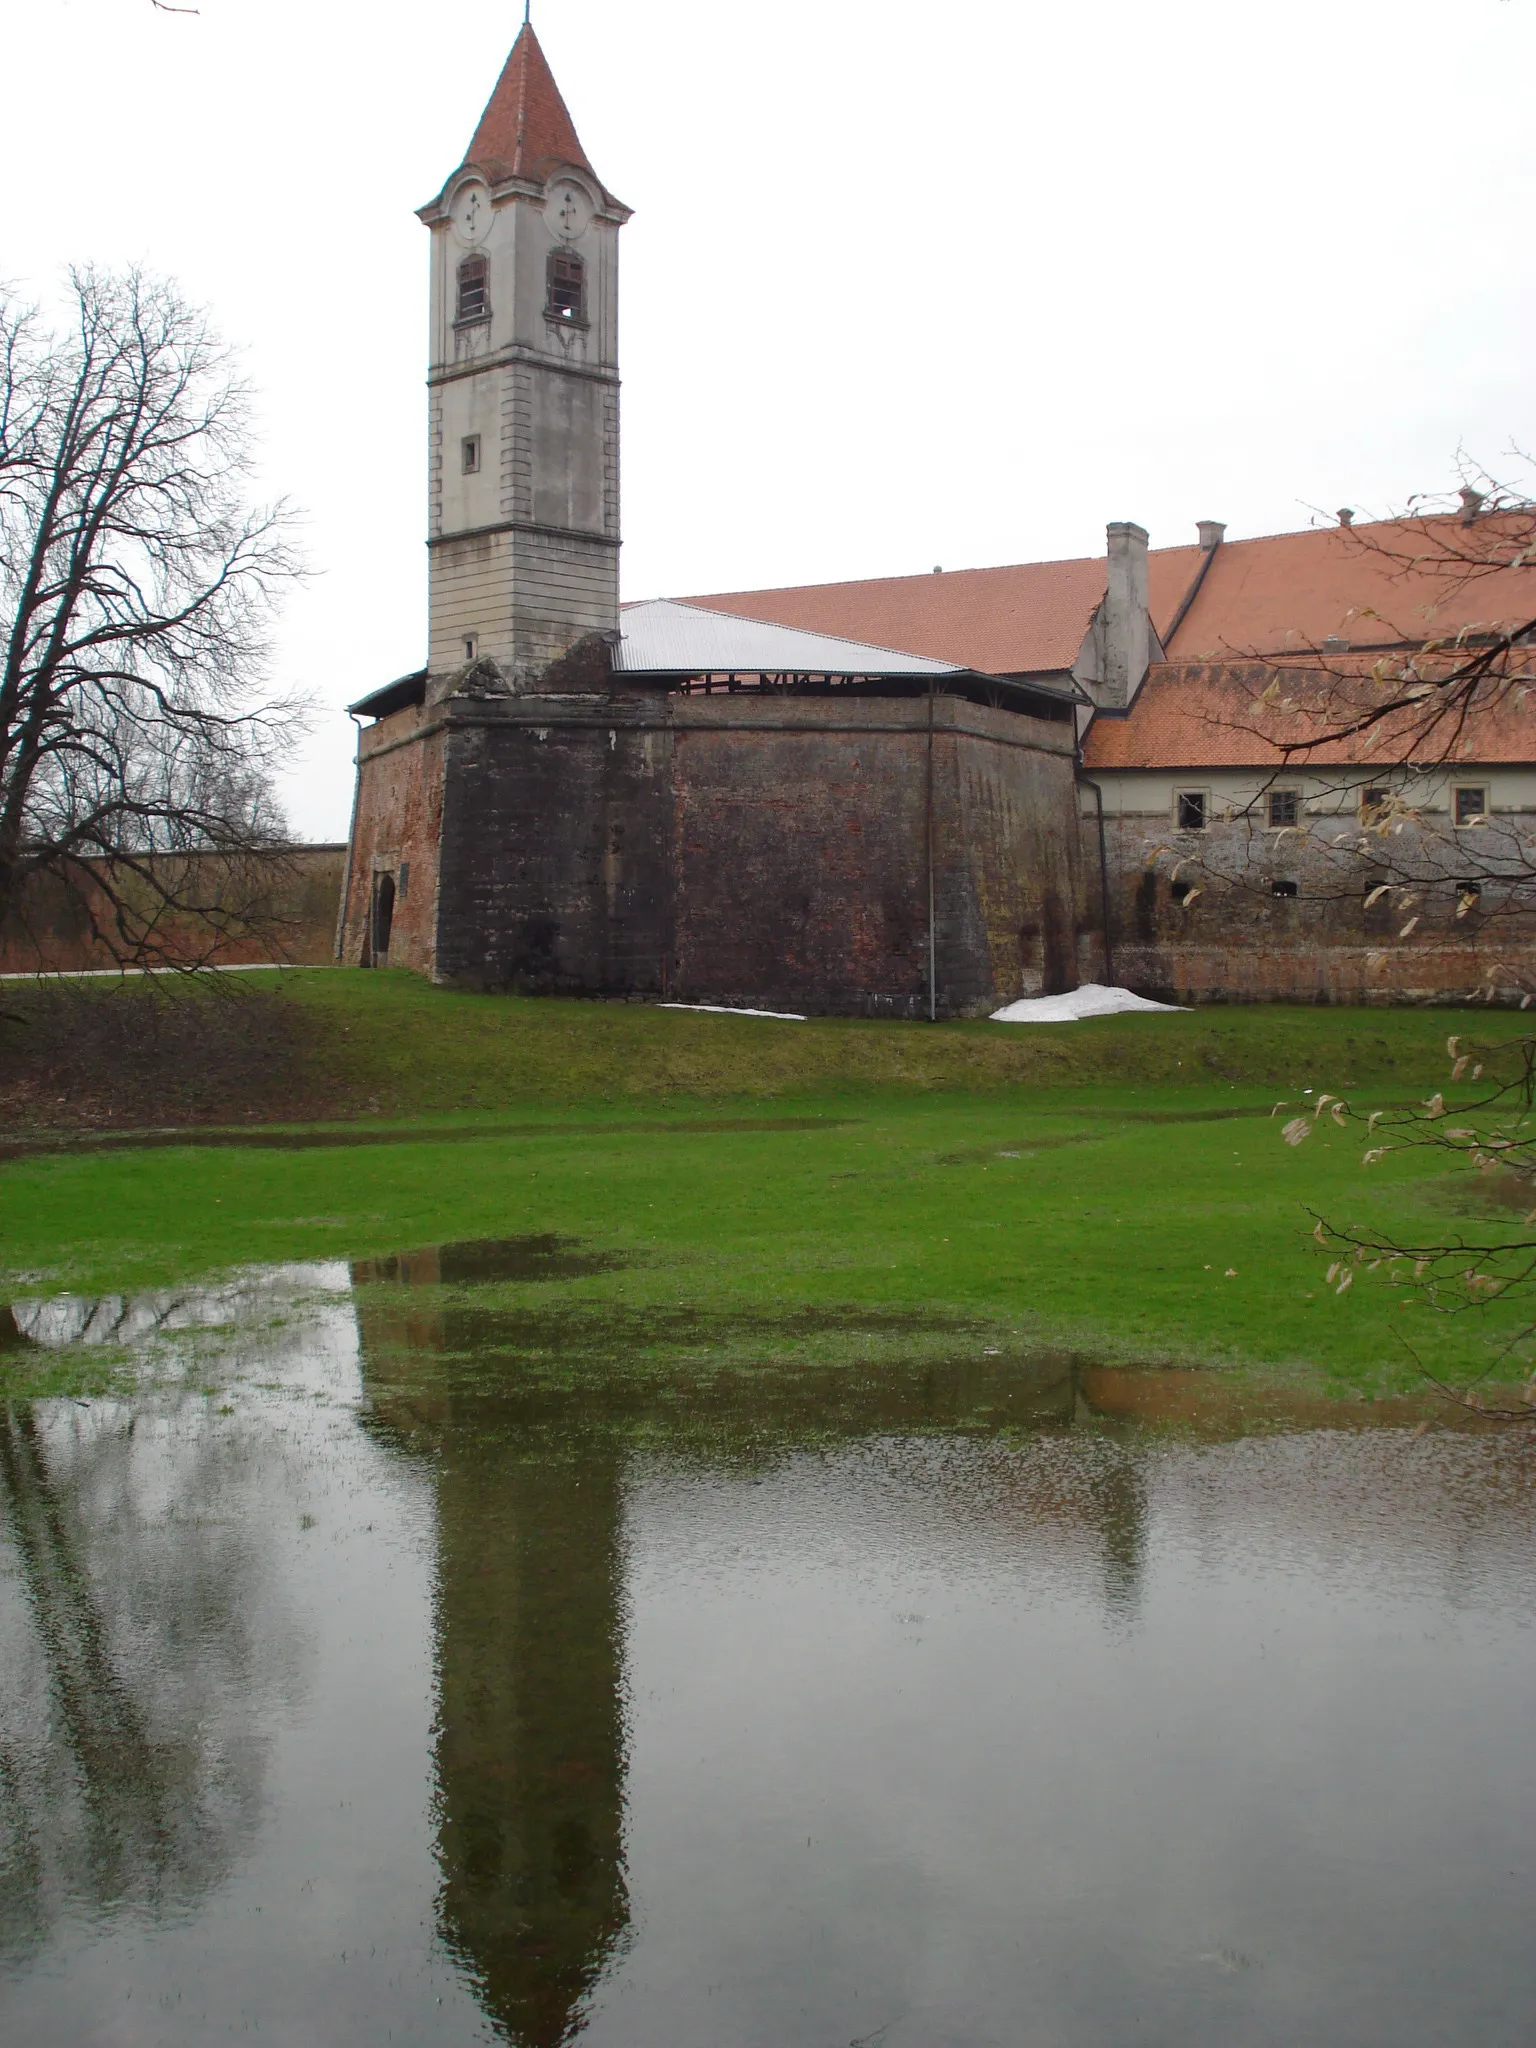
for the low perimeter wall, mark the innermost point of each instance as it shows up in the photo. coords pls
(296, 898)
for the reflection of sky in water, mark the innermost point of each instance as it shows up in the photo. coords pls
(448, 1717)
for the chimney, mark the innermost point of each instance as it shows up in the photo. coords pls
(1346, 515)
(1212, 533)
(1127, 623)
(1471, 504)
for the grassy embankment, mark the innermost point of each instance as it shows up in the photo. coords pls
(830, 1189)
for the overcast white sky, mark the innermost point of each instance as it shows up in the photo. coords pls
(906, 284)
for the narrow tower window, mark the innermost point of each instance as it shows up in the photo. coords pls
(474, 292)
(471, 453)
(567, 288)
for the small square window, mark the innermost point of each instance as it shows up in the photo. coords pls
(469, 449)
(1280, 888)
(1471, 804)
(1189, 810)
(1373, 805)
(1284, 807)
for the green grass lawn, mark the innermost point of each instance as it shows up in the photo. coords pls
(393, 1039)
(845, 1190)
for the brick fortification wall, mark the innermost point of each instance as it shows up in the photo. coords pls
(765, 849)
(802, 853)
(1237, 942)
(396, 831)
(555, 846)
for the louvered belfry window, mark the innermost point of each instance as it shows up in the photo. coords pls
(474, 290)
(567, 288)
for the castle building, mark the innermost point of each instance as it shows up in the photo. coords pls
(910, 796)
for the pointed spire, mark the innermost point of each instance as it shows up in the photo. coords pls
(525, 130)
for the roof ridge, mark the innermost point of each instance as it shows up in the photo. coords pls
(907, 576)
(1173, 547)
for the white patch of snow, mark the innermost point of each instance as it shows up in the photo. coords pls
(725, 1010)
(1091, 1000)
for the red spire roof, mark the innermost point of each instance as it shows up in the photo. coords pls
(525, 130)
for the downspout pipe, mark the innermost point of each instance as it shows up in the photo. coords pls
(346, 880)
(1087, 782)
(933, 992)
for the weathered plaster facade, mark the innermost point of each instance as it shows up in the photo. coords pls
(523, 384)
(1342, 881)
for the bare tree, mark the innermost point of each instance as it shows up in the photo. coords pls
(1488, 1127)
(137, 587)
(1379, 729)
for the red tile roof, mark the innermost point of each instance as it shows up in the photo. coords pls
(1213, 715)
(1285, 591)
(526, 131)
(1292, 590)
(1020, 620)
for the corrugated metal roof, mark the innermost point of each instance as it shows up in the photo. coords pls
(667, 638)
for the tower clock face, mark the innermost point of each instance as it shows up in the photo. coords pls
(471, 213)
(567, 209)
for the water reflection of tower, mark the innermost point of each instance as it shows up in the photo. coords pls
(1120, 1513)
(530, 1743)
(530, 1733)
(1117, 1506)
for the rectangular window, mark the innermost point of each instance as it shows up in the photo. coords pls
(1279, 888)
(1189, 810)
(469, 449)
(1284, 808)
(567, 288)
(470, 646)
(474, 290)
(1373, 805)
(1471, 803)
(402, 888)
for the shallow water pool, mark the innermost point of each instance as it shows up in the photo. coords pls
(360, 1688)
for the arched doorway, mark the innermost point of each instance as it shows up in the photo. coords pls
(383, 917)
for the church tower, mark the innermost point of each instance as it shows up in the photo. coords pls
(523, 476)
